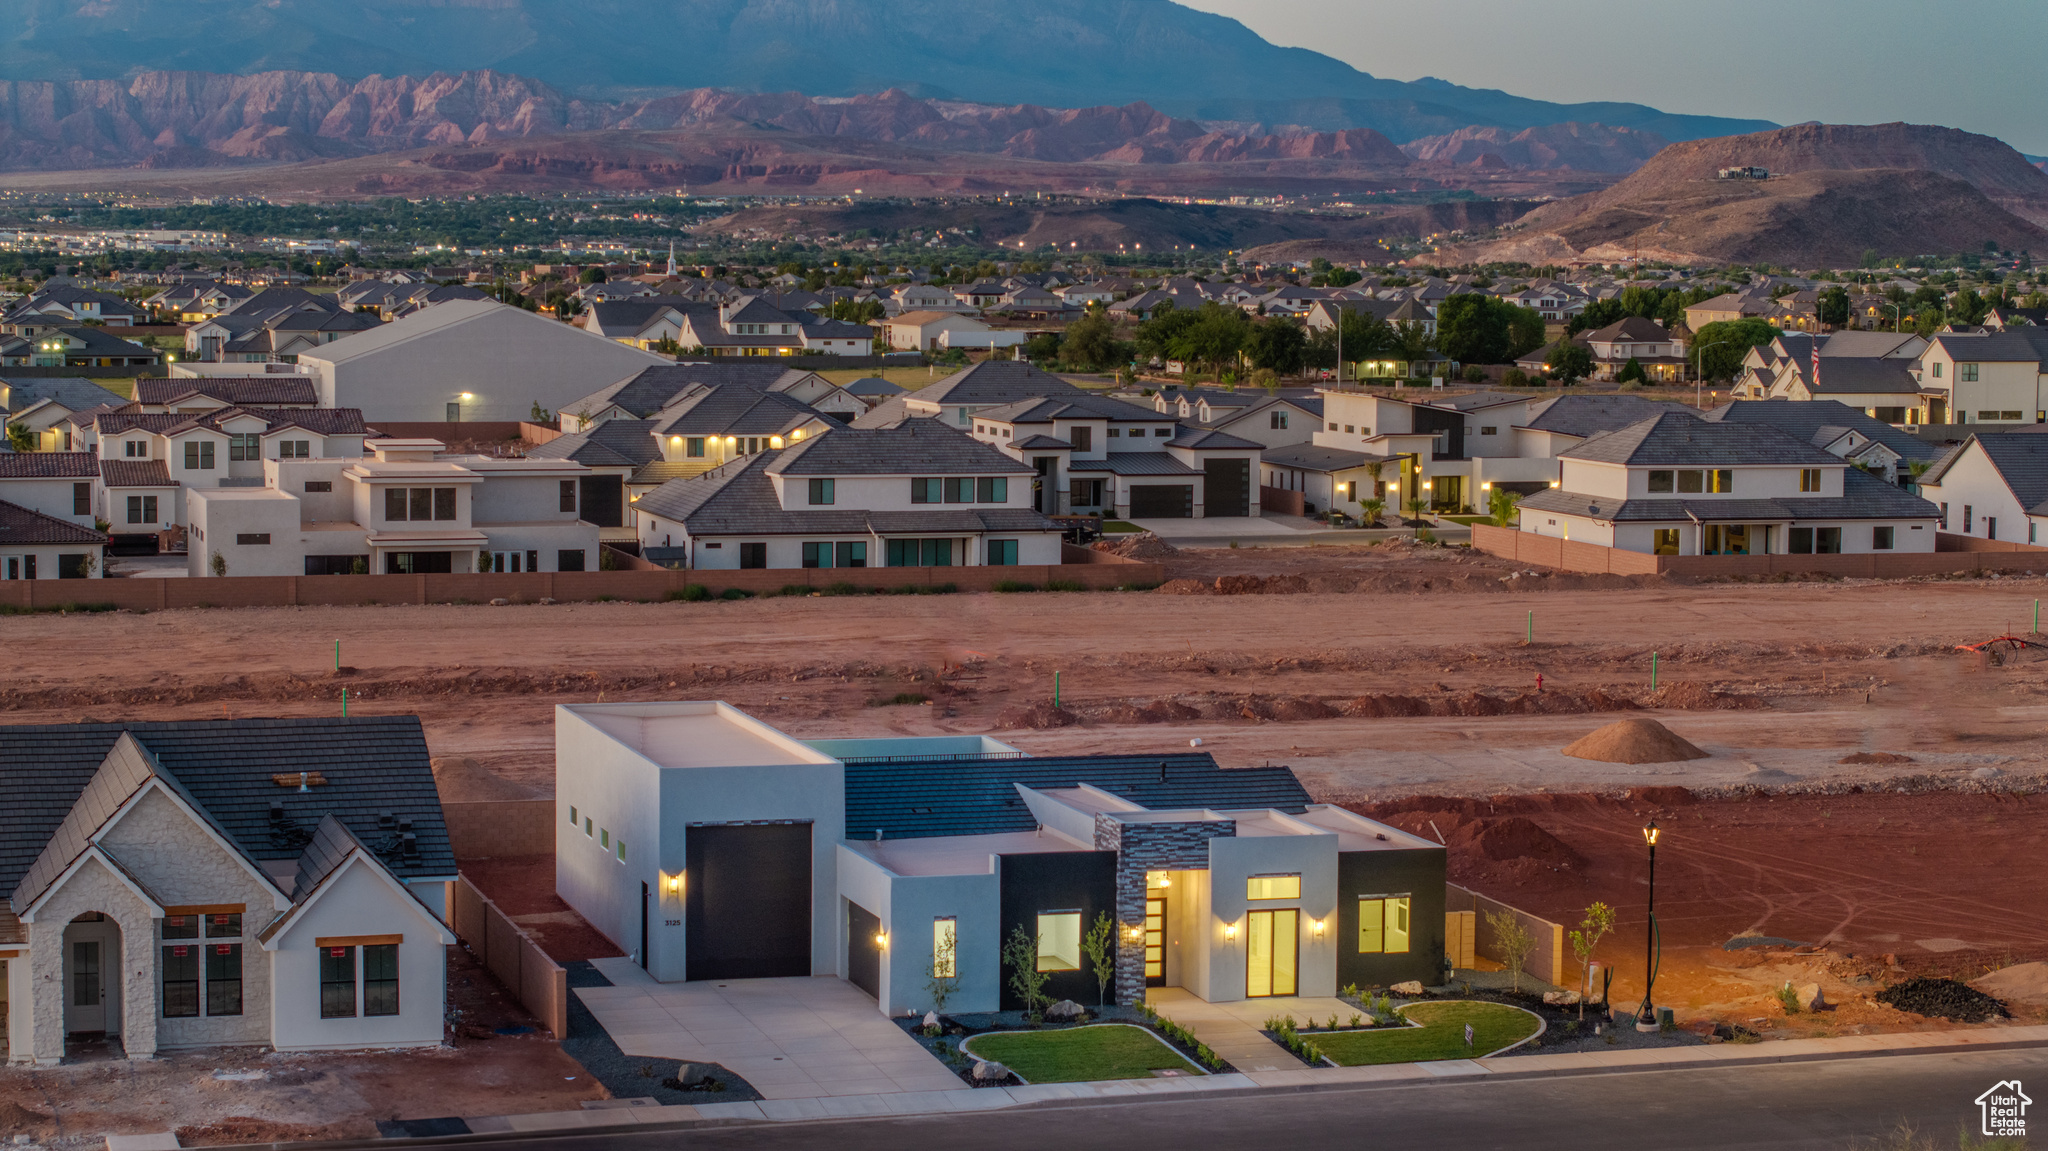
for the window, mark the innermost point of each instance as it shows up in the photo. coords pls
(962, 417)
(619, 848)
(1661, 482)
(337, 982)
(199, 456)
(1273, 887)
(1333, 425)
(927, 491)
(136, 449)
(817, 555)
(1799, 541)
(604, 838)
(252, 539)
(945, 947)
(1937, 369)
(81, 500)
(572, 815)
(754, 555)
(569, 561)
(1383, 924)
(959, 490)
(319, 485)
(568, 495)
(419, 504)
(589, 827)
(380, 979)
(181, 927)
(1881, 538)
(1083, 439)
(223, 977)
(992, 490)
(919, 553)
(851, 554)
(1969, 518)
(181, 977)
(1117, 433)
(822, 491)
(2011, 417)
(1349, 428)
(1665, 542)
(294, 449)
(1990, 527)
(1944, 516)
(1002, 553)
(1162, 433)
(141, 509)
(1889, 415)
(693, 448)
(1965, 373)
(1809, 479)
(244, 446)
(1059, 941)
(1691, 483)
(1987, 417)
(1278, 421)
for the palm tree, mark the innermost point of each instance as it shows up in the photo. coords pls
(1372, 508)
(1501, 506)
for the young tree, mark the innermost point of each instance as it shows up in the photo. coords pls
(1719, 347)
(1091, 341)
(1632, 373)
(20, 438)
(1020, 955)
(1569, 362)
(1500, 506)
(1370, 509)
(942, 973)
(1833, 306)
(1513, 941)
(1598, 922)
(1099, 945)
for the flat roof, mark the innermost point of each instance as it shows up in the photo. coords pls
(242, 494)
(958, 854)
(1357, 833)
(696, 734)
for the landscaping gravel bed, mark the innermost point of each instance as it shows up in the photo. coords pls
(634, 1076)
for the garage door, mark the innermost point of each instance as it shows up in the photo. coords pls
(1162, 501)
(863, 954)
(1227, 488)
(747, 901)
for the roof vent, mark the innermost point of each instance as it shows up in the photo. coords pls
(1162, 771)
(405, 825)
(386, 819)
(409, 847)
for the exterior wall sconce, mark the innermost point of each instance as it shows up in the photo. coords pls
(1230, 931)
(1317, 924)
(674, 883)
(881, 939)
(1134, 934)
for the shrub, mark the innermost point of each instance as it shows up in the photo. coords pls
(900, 699)
(735, 593)
(1010, 585)
(840, 588)
(1789, 998)
(794, 589)
(1065, 585)
(690, 593)
(1474, 374)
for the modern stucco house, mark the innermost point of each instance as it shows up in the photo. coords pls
(709, 845)
(268, 882)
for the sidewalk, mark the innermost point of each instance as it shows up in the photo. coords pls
(1298, 1079)
(1232, 1030)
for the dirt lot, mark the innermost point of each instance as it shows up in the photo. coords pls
(245, 1096)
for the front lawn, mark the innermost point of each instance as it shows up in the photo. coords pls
(1115, 527)
(1080, 1054)
(1441, 1036)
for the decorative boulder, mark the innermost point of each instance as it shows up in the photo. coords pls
(694, 1074)
(1561, 998)
(1811, 997)
(931, 1019)
(1065, 1009)
(1412, 987)
(987, 1072)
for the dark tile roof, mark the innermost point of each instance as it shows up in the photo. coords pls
(97, 342)
(979, 796)
(372, 764)
(913, 447)
(277, 299)
(1309, 457)
(1135, 464)
(1081, 406)
(73, 392)
(2012, 345)
(1042, 443)
(20, 525)
(1585, 415)
(1804, 419)
(2022, 462)
(136, 474)
(1631, 328)
(652, 389)
(1677, 439)
(49, 466)
(1210, 438)
(259, 391)
(997, 381)
(739, 499)
(873, 386)
(1865, 497)
(611, 444)
(1856, 375)
(733, 409)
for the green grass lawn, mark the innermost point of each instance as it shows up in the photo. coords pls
(123, 386)
(1441, 1036)
(1121, 526)
(1080, 1054)
(1468, 520)
(909, 378)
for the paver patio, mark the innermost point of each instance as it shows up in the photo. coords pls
(795, 1038)
(1232, 1030)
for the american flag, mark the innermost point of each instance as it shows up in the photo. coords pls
(1816, 365)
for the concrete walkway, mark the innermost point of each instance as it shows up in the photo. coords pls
(800, 1038)
(1233, 1030)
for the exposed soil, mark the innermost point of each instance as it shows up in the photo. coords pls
(523, 887)
(1633, 741)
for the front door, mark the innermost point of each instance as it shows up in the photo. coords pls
(85, 1007)
(1155, 941)
(1272, 953)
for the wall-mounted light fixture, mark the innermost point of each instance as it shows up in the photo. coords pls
(881, 939)
(674, 883)
(1318, 925)
(1230, 931)
(1134, 934)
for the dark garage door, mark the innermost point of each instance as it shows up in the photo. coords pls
(863, 955)
(1162, 501)
(748, 901)
(603, 502)
(1227, 491)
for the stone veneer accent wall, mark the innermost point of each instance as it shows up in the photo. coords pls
(1143, 847)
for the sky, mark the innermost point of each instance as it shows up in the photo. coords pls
(1977, 65)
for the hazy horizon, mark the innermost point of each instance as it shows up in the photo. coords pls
(1967, 64)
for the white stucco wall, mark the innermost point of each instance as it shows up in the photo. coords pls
(1232, 860)
(359, 902)
(907, 907)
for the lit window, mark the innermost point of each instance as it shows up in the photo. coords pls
(573, 818)
(589, 827)
(1383, 924)
(945, 944)
(1059, 941)
(604, 839)
(1273, 887)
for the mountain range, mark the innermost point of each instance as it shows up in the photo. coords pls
(1056, 53)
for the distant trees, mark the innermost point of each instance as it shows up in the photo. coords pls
(1476, 329)
(1091, 342)
(1569, 362)
(1833, 306)
(1278, 344)
(1718, 348)
(1366, 337)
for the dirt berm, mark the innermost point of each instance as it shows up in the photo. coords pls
(1633, 741)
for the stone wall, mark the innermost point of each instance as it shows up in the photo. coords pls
(93, 887)
(1143, 847)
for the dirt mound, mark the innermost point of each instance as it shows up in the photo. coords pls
(1633, 741)
(1875, 757)
(1302, 708)
(1037, 716)
(1662, 796)
(1167, 710)
(1944, 999)
(236, 1129)
(18, 1120)
(2020, 983)
(1514, 838)
(460, 779)
(1143, 546)
(1684, 696)
(1186, 587)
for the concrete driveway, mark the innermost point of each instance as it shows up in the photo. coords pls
(800, 1038)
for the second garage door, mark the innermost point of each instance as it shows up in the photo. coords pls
(748, 901)
(1162, 501)
(1227, 488)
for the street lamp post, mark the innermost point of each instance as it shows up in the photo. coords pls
(1646, 1015)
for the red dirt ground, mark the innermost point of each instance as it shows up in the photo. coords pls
(523, 887)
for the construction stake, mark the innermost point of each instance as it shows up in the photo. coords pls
(337, 655)
(1653, 671)
(344, 703)
(1055, 689)
(1532, 627)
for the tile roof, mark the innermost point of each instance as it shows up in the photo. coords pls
(1676, 439)
(997, 381)
(1042, 443)
(1135, 464)
(1865, 497)
(2022, 462)
(913, 447)
(258, 391)
(2014, 345)
(734, 410)
(49, 466)
(652, 389)
(74, 393)
(1631, 328)
(1585, 415)
(610, 444)
(1311, 458)
(979, 796)
(372, 764)
(136, 474)
(873, 386)
(1209, 438)
(1804, 419)
(20, 525)
(738, 498)
(1082, 406)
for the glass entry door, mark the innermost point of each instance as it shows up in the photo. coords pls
(1272, 953)
(1155, 940)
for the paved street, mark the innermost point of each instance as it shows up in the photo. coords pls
(1830, 1105)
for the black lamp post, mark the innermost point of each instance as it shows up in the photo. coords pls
(1646, 1015)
